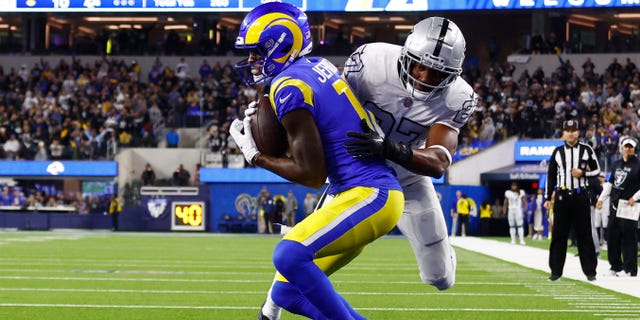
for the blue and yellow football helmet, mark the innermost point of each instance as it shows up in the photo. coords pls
(279, 33)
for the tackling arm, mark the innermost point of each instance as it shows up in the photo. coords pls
(435, 158)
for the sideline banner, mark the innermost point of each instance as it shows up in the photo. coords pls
(106, 169)
(306, 5)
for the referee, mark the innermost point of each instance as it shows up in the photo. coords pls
(569, 167)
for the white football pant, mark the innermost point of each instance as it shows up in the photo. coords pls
(423, 224)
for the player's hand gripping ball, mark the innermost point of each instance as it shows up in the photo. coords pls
(269, 135)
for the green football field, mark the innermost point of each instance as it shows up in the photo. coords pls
(103, 275)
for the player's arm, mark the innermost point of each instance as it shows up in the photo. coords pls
(434, 159)
(505, 205)
(442, 139)
(306, 165)
(524, 201)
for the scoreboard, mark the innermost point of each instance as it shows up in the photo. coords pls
(306, 5)
(188, 216)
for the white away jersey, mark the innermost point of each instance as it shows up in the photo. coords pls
(373, 73)
(515, 199)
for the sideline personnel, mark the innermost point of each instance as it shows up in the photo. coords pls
(569, 167)
(624, 184)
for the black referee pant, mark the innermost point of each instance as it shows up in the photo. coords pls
(571, 207)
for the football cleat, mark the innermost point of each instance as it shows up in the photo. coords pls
(554, 277)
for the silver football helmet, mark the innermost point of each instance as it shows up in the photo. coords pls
(438, 44)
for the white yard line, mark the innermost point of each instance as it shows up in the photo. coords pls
(108, 306)
(115, 279)
(537, 259)
(357, 293)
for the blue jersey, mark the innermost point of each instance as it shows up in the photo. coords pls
(314, 84)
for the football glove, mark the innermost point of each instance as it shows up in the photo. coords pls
(240, 130)
(369, 143)
(251, 108)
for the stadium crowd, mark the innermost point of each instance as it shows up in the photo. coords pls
(86, 110)
(533, 105)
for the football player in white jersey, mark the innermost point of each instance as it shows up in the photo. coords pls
(421, 103)
(514, 200)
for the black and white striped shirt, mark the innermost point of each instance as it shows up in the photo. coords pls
(563, 159)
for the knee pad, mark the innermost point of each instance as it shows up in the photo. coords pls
(290, 255)
(425, 227)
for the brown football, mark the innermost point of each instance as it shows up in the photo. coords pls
(268, 133)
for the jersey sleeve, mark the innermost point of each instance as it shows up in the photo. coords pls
(290, 93)
(354, 69)
(462, 101)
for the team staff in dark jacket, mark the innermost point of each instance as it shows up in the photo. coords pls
(570, 167)
(624, 184)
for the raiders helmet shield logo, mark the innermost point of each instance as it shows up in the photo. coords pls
(620, 176)
(156, 207)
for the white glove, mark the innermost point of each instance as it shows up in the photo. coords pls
(244, 140)
(251, 108)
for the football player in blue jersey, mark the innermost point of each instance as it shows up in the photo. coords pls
(317, 108)
(420, 102)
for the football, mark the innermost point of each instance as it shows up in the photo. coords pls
(268, 133)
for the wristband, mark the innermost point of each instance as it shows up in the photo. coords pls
(397, 152)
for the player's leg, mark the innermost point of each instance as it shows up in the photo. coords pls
(594, 230)
(454, 225)
(290, 298)
(511, 217)
(270, 310)
(605, 223)
(520, 225)
(423, 224)
(353, 219)
(537, 224)
(597, 223)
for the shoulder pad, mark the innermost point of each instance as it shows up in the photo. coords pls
(459, 94)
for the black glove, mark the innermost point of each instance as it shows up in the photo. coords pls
(368, 143)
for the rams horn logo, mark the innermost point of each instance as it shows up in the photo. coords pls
(55, 168)
(246, 204)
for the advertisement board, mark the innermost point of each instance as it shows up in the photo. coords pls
(535, 150)
(173, 6)
(58, 169)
